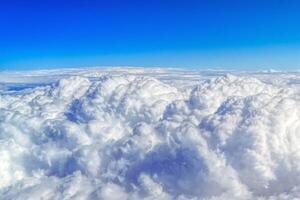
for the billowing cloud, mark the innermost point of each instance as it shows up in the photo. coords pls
(140, 135)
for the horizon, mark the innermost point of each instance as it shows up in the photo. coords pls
(128, 67)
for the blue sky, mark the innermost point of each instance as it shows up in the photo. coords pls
(244, 34)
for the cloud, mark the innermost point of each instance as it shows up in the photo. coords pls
(141, 136)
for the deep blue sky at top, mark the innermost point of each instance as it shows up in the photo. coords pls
(244, 34)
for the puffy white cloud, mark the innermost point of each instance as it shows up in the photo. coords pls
(141, 135)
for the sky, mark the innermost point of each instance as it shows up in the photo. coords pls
(200, 34)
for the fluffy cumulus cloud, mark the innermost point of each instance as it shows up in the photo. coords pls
(142, 136)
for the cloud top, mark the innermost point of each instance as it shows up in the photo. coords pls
(130, 136)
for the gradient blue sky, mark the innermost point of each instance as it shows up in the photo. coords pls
(230, 34)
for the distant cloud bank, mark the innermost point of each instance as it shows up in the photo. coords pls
(149, 134)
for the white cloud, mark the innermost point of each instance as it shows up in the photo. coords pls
(140, 135)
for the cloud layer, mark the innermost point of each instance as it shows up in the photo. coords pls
(144, 136)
